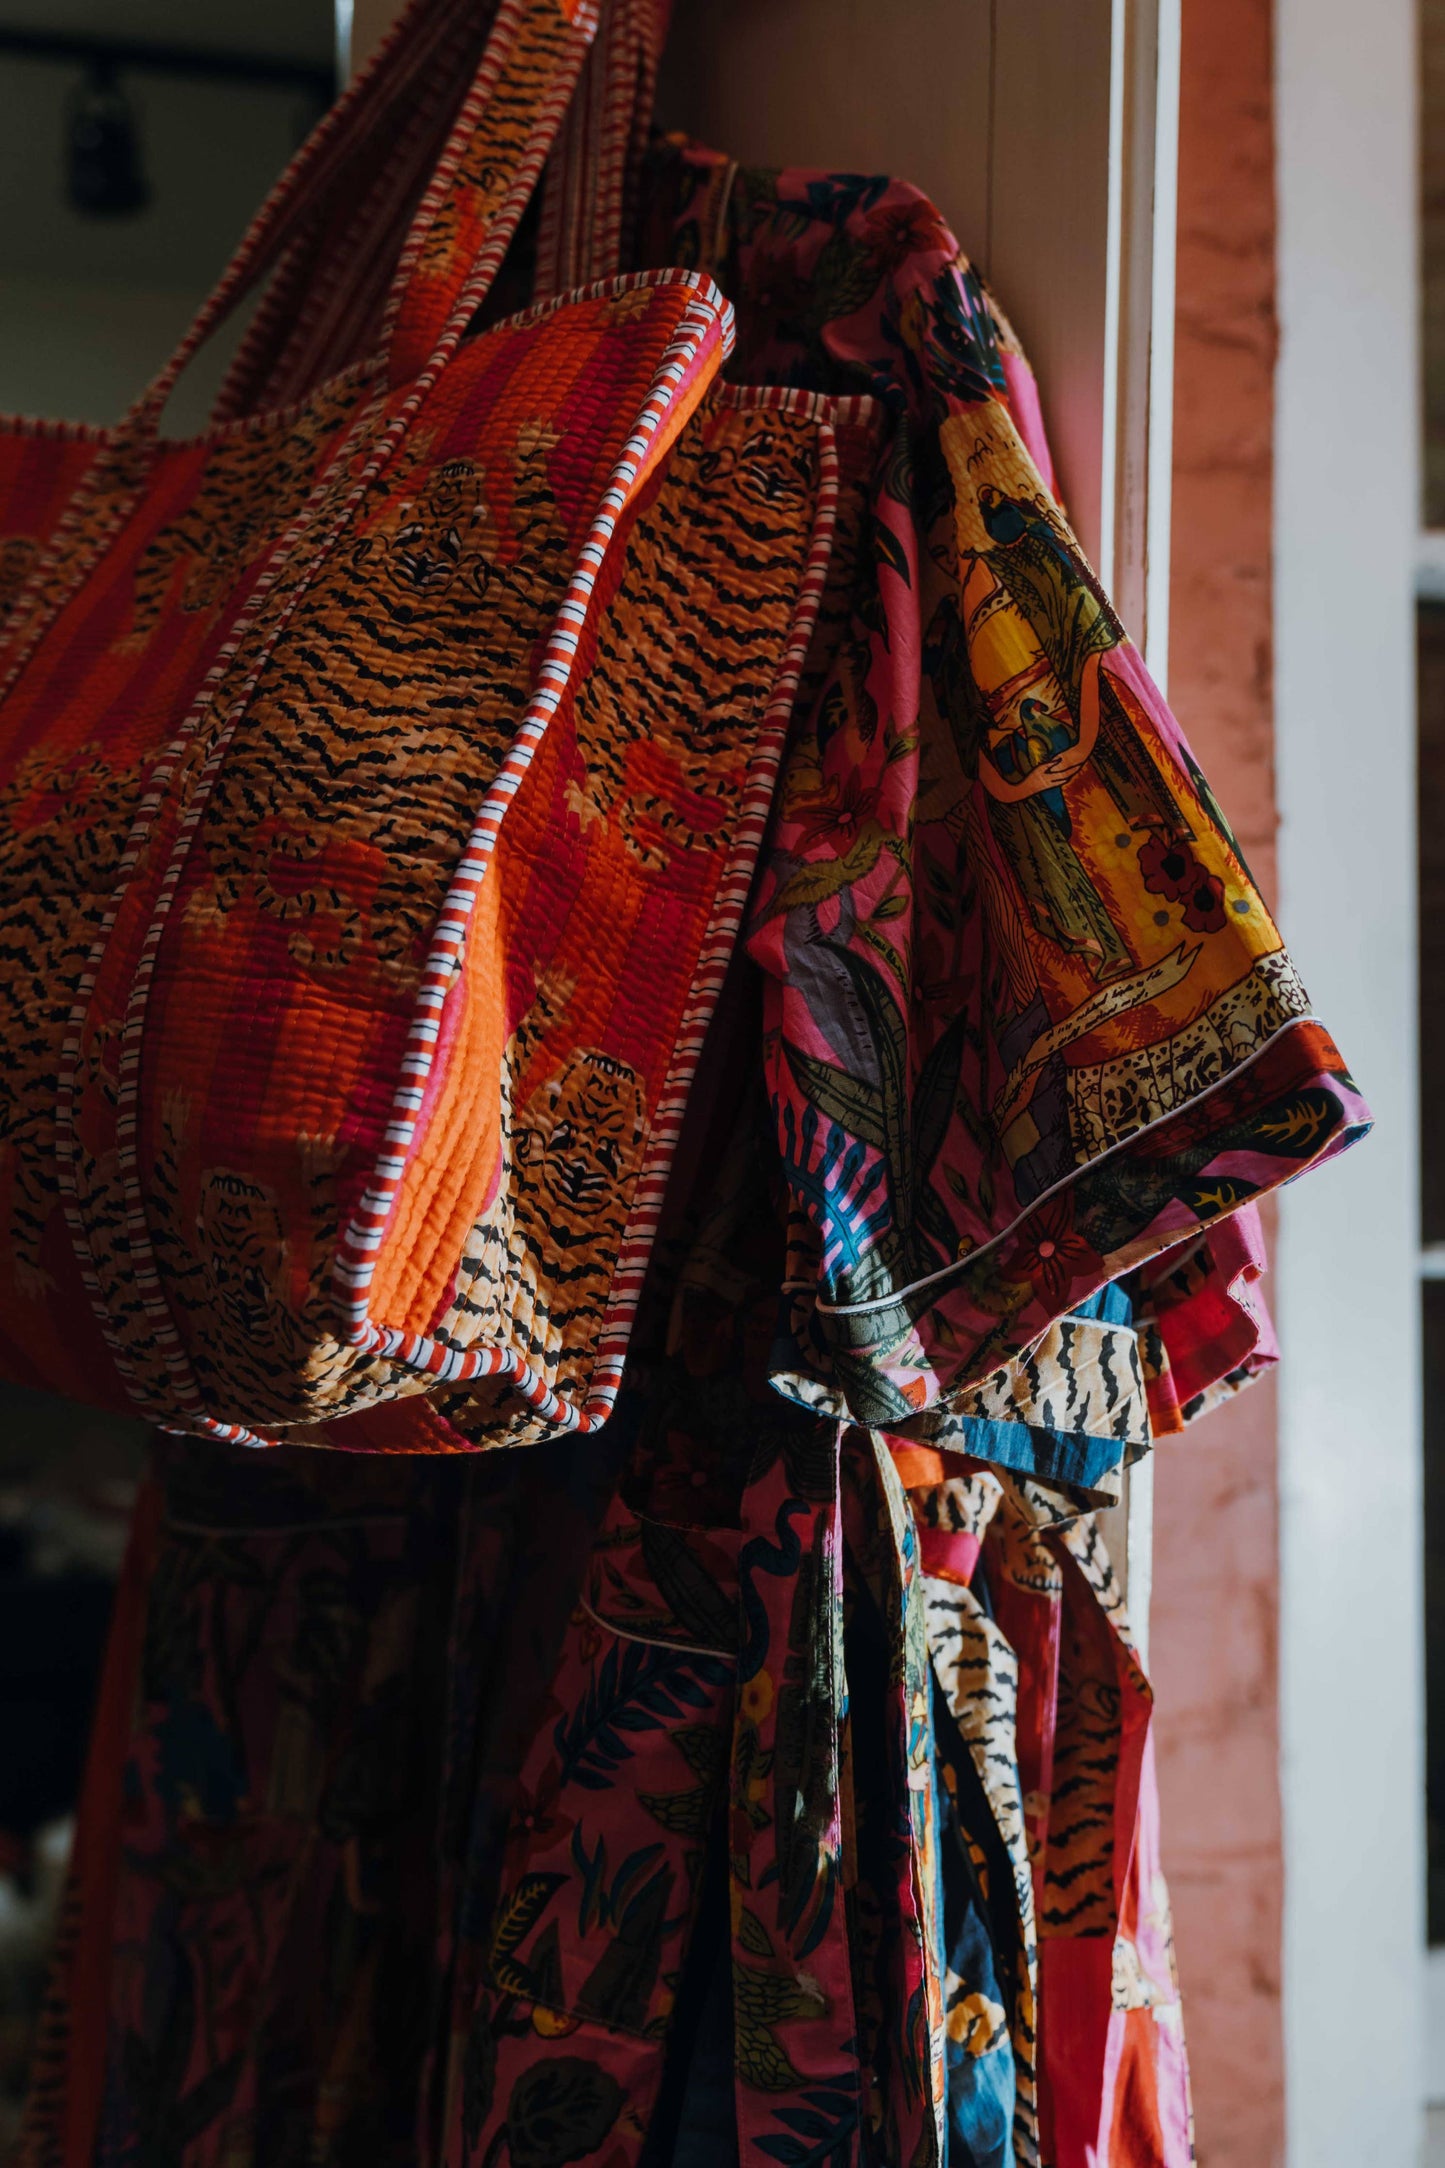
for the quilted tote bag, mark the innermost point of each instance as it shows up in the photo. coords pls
(383, 774)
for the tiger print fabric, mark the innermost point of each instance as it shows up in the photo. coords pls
(1041, 1690)
(233, 993)
(1072, 1409)
(978, 1676)
(73, 767)
(737, 502)
(531, 64)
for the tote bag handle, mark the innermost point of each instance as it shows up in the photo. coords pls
(486, 175)
(326, 304)
(328, 281)
(590, 190)
(479, 186)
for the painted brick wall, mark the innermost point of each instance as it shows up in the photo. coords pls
(1214, 1633)
(1432, 236)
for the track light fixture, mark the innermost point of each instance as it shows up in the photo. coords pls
(104, 174)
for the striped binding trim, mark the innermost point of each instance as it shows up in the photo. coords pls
(546, 268)
(511, 19)
(304, 321)
(425, 1354)
(591, 170)
(628, 70)
(708, 310)
(291, 198)
(360, 1245)
(578, 165)
(55, 432)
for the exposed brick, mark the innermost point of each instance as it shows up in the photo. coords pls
(1215, 1621)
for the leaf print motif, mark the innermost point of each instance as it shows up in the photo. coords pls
(762, 2000)
(681, 1814)
(814, 881)
(704, 1748)
(1293, 1128)
(636, 1687)
(538, 1979)
(618, 1991)
(520, 1911)
(772, 1998)
(850, 1101)
(752, 1766)
(604, 1904)
(703, 1612)
(819, 2130)
(511, 1978)
(918, 1233)
(752, 1934)
(1220, 1193)
(761, 2062)
(560, 2111)
(845, 278)
(837, 197)
(890, 552)
(962, 342)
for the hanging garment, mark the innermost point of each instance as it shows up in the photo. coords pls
(705, 1688)
(427, 1776)
(1045, 1708)
(998, 889)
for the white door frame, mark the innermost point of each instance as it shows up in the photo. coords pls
(1351, 1619)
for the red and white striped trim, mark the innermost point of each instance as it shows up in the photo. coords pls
(708, 317)
(472, 288)
(55, 432)
(421, 1352)
(580, 235)
(289, 322)
(406, 49)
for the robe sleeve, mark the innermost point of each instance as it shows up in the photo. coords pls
(1029, 1025)
(1203, 1325)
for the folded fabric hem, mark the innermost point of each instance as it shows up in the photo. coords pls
(887, 1376)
